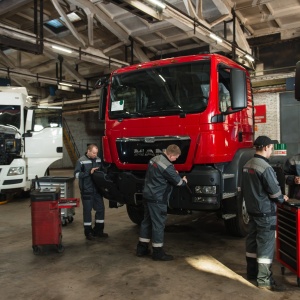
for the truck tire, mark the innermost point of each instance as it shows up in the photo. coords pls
(135, 213)
(238, 226)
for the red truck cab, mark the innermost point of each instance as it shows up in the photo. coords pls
(203, 103)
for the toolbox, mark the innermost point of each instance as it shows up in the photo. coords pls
(46, 206)
(45, 219)
(66, 185)
(288, 236)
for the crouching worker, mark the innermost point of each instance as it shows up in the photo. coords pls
(91, 199)
(161, 176)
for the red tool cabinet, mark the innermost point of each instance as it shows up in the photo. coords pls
(46, 206)
(45, 220)
(288, 236)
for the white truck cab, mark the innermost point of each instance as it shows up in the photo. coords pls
(31, 139)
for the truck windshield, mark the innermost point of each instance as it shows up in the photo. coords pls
(168, 90)
(10, 115)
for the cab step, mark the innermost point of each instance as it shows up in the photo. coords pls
(228, 216)
(226, 176)
(228, 195)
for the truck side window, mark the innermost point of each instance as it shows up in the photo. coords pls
(224, 98)
(44, 118)
(224, 90)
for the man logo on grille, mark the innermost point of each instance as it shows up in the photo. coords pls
(147, 152)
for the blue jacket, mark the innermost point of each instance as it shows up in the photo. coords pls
(83, 172)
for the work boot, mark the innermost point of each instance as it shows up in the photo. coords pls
(90, 236)
(98, 231)
(101, 235)
(142, 249)
(159, 254)
(89, 233)
(252, 268)
(274, 288)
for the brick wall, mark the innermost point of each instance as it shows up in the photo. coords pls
(272, 126)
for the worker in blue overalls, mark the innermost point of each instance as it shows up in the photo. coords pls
(91, 199)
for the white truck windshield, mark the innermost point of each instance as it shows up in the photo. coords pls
(10, 115)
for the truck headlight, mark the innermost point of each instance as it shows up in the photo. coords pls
(15, 171)
(205, 189)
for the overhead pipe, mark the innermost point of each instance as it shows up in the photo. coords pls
(234, 36)
(99, 59)
(37, 77)
(38, 28)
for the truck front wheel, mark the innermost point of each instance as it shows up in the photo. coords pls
(239, 225)
(135, 213)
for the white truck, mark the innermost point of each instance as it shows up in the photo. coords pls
(31, 139)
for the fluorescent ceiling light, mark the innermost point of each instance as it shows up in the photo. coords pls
(215, 37)
(66, 84)
(61, 49)
(249, 57)
(158, 3)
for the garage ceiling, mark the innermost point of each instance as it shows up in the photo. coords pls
(109, 34)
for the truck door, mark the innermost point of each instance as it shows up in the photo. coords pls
(43, 139)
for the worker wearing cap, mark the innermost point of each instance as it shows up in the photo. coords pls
(261, 192)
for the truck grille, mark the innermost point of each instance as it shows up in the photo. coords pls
(140, 150)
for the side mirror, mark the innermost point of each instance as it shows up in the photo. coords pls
(101, 82)
(102, 103)
(238, 87)
(27, 134)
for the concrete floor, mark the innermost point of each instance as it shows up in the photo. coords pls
(208, 263)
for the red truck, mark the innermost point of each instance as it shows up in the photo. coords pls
(203, 103)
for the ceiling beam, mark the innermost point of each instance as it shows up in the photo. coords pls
(67, 67)
(104, 19)
(90, 18)
(11, 5)
(10, 65)
(67, 22)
